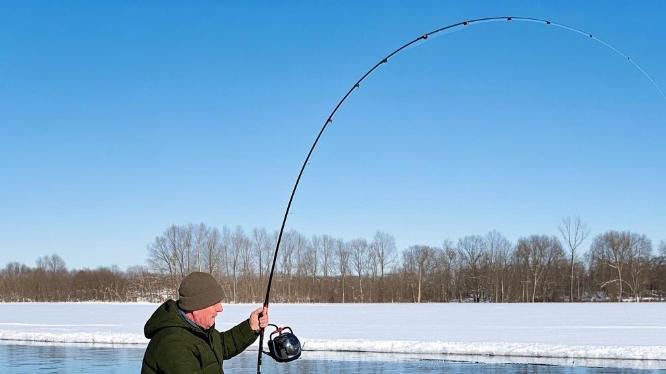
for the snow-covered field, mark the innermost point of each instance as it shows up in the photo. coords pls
(563, 333)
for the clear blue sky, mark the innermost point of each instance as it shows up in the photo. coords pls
(119, 118)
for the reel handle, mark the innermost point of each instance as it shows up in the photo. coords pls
(278, 330)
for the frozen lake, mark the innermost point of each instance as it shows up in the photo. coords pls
(71, 358)
(610, 334)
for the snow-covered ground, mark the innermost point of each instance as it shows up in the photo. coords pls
(565, 333)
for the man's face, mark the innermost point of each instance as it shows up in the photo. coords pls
(205, 318)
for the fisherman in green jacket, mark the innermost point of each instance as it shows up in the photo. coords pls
(182, 333)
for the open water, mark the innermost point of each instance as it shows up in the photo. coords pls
(48, 358)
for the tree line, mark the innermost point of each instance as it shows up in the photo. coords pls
(50, 280)
(617, 266)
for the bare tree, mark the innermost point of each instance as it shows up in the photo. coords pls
(51, 264)
(212, 251)
(301, 245)
(658, 272)
(444, 266)
(317, 244)
(342, 260)
(200, 235)
(311, 261)
(240, 245)
(225, 255)
(613, 249)
(455, 267)
(168, 254)
(383, 251)
(178, 242)
(159, 257)
(639, 262)
(383, 245)
(359, 257)
(288, 248)
(574, 232)
(417, 259)
(471, 250)
(500, 252)
(327, 255)
(186, 249)
(263, 246)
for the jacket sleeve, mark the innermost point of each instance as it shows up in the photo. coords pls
(179, 360)
(236, 339)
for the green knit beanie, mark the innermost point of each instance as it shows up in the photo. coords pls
(198, 291)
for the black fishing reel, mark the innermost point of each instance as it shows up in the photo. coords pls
(285, 346)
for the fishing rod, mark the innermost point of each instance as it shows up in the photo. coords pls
(357, 85)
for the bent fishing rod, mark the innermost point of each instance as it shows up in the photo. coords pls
(418, 40)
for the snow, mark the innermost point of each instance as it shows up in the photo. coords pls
(560, 333)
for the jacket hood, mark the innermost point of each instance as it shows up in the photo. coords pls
(166, 316)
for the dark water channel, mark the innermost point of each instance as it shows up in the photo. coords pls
(44, 358)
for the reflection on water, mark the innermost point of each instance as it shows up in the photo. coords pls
(68, 359)
(44, 358)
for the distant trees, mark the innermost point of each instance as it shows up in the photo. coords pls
(212, 251)
(51, 264)
(619, 265)
(536, 255)
(238, 250)
(473, 256)
(418, 261)
(181, 249)
(16, 281)
(628, 255)
(169, 254)
(499, 249)
(342, 253)
(658, 273)
(262, 245)
(383, 254)
(574, 232)
(50, 280)
(360, 257)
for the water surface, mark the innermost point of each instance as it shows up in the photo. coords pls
(50, 358)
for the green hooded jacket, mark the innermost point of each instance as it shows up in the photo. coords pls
(177, 346)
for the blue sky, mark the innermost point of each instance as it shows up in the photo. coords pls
(120, 118)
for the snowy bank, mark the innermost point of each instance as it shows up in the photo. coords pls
(565, 331)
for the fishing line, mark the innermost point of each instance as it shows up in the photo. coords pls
(420, 39)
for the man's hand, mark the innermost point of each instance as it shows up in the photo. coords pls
(259, 319)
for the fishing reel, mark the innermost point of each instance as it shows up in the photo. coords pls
(285, 346)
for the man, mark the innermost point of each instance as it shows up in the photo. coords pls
(182, 333)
